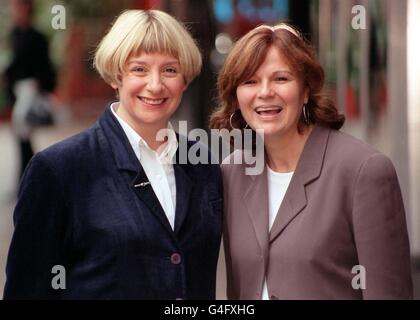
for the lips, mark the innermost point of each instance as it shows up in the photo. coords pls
(268, 110)
(152, 102)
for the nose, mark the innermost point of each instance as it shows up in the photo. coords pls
(265, 90)
(154, 83)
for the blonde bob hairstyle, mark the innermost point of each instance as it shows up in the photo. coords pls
(149, 31)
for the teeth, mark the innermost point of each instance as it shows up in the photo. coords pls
(150, 101)
(261, 109)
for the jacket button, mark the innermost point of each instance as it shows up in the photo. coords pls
(176, 258)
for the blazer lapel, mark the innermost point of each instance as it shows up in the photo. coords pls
(128, 164)
(308, 169)
(145, 192)
(184, 186)
(256, 201)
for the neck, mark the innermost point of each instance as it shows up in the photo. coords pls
(283, 153)
(148, 132)
(149, 135)
(23, 26)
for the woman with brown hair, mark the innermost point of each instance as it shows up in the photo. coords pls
(325, 219)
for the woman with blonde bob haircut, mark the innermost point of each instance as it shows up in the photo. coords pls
(111, 207)
(325, 219)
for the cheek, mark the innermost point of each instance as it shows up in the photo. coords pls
(129, 87)
(292, 97)
(244, 98)
(293, 111)
(177, 88)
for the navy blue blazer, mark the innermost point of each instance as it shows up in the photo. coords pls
(78, 208)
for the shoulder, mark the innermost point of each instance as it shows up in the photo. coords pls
(229, 162)
(37, 34)
(77, 148)
(234, 165)
(356, 156)
(377, 168)
(347, 148)
(33, 37)
(198, 157)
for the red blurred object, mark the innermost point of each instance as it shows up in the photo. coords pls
(352, 104)
(147, 4)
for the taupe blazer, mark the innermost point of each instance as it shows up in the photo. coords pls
(343, 208)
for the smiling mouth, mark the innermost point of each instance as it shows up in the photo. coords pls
(153, 102)
(268, 111)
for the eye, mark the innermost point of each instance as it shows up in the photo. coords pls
(250, 82)
(170, 71)
(281, 78)
(138, 70)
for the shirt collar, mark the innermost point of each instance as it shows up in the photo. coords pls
(165, 152)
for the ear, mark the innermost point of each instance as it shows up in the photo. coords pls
(118, 84)
(306, 95)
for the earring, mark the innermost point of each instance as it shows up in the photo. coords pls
(230, 121)
(306, 115)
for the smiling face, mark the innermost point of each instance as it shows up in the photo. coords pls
(150, 90)
(273, 98)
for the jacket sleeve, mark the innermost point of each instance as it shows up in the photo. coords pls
(380, 231)
(38, 238)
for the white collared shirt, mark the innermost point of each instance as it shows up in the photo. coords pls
(156, 164)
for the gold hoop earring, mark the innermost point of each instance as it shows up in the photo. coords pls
(230, 121)
(306, 115)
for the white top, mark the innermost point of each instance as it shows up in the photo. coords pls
(157, 165)
(278, 182)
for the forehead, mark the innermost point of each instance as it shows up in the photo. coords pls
(274, 61)
(152, 58)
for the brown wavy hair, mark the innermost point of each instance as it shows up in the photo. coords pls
(248, 54)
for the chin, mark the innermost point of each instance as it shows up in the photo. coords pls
(270, 130)
(156, 121)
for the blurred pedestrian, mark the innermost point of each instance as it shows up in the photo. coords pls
(28, 78)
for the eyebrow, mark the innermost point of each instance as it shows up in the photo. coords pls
(283, 71)
(172, 62)
(280, 71)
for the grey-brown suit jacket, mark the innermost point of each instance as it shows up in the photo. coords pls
(343, 208)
